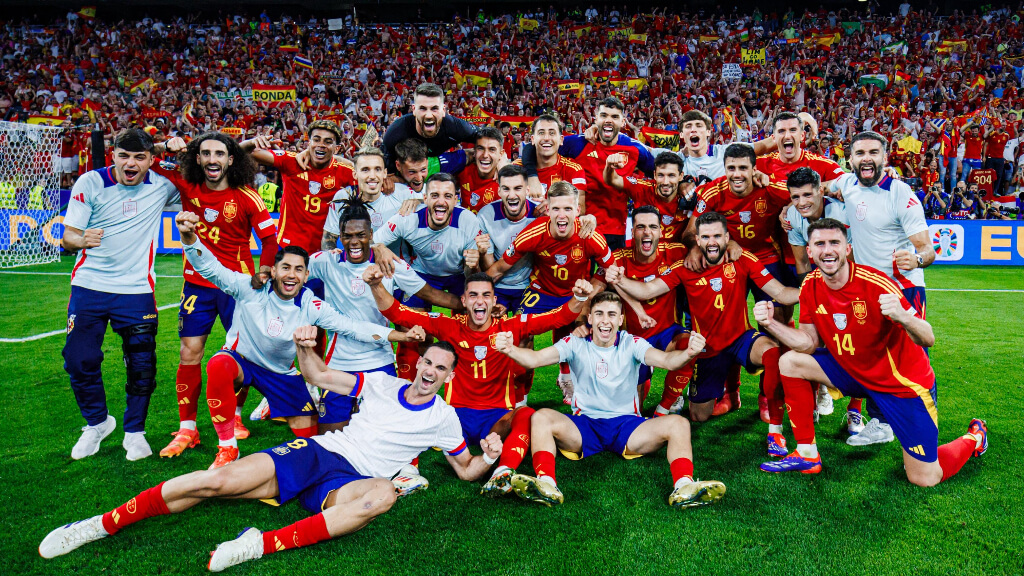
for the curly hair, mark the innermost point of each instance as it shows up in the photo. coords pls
(241, 172)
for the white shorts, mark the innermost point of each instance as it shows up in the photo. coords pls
(69, 165)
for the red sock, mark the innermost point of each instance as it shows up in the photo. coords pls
(415, 462)
(800, 403)
(645, 389)
(305, 532)
(681, 468)
(771, 383)
(855, 404)
(305, 432)
(148, 503)
(513, 450)
(732, 383)
(221, 372)
(544, 464)
(954, 455)
(563, 368)
(676, 382)
(188, 386)
(523, 383)
(405, 359)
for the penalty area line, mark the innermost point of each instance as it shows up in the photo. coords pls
(56, 332)
(25, 273)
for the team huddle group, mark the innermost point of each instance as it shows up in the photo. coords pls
(514, 250)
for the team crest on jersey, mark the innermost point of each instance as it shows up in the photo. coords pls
(357, 287)
(745, 216)
(71, 323)
(376, 220)
(328, 182)
(437, 247)
(561, 259)
(602, 368)
(667, 219)
(314, 188)
(480, 352)
(862, 211)
(230, 210)
(649, 278)
(493, 339)
(577, 254)
(840, 320)
(322, 409)
(761, 205)
(474, 199)
(860, 310)
(716, 284)
(511, 251)
(702, 206)
(434, 314)
(210, 215)
(275, 327)
(130, 208)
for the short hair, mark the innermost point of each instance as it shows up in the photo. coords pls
(612, 102)
(444, 345)
(134, 140)
(430, 90)
(606, 296)
(693, 115)
(562, 189)
(546, 117)
(511, 171)
(871, 135)
(711, 218)
(368, 151)
(411, 150)
(787, 115)
(647, 209)
(479, 277)
(327, 126)
(802, 177)
(739, 150)
(669, 158)
(490, 132)
(296, 250)
(826, 224)
(441, 177)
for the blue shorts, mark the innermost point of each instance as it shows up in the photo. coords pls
(286, 394)
(336, 408)
(914, 421)
(317, 286)
(510, 298)
(454, 284)
(306, 469)
(477, 424)
(604, 435)
(779, 271)
(917, 298)
(200, 306)
(538, 302)
(661, 341)
(709, 373)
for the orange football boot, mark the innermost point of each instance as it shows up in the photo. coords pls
(183, 439)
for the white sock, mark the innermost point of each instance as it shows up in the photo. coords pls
(549, 480)
(127, 434)
(499, 470)
(188, 425)
(660, 410)
(232, 442)
(683, 482)
(775, 428)
(238, 410)
(807, 450)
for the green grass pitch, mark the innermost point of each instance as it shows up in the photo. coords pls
(859, 516)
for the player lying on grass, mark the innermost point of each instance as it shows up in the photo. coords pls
(606, 407)
(341, 477)
(873, 340)
(259, 350)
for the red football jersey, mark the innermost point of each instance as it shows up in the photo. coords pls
(557, 264)
(644, 192)
(227, 219)
(603, 201)
(778, 170)
(662, 308)
(972, 147)
(475, 191)
(305, 199)
(873, 349)
(752, 219)
(564, 170)
(718, 298)
(484, 378)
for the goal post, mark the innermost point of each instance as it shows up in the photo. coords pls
(30, 203)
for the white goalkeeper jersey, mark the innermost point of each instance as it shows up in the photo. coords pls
(604, 378)
(387, 432)
(503, 233)
(436, 252)
(345, 290)
(130, 218)
(263, 324)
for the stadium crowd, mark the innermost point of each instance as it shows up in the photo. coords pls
(921, 79)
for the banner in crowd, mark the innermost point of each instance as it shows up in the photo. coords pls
(45, 120)
(335, 24)
(233, 95)
(620, 32)
(580, 31)
(528, 24)
(732, 71)
(660, 138)
(878, 80)
(968, 242)
(753, 56)
(273, 94)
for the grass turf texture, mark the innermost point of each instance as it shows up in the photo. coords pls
(860, 515)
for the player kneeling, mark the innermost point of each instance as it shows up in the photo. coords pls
(873, 341)
(606, 407)
(342, 477)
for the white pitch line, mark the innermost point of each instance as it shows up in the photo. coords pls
(22, 273)
(972, 290)
(56, 332)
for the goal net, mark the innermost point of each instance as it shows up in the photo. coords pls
(30, 205)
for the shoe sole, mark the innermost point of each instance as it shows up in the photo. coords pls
(529, 490)
(706, 495)
(815, 470)
(867, 443)
(984, 443)
(96, 451)
(499, 488)
(191, 444)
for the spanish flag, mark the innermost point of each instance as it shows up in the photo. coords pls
(638, 38)
(979, 82)
(88, 12)
(660, 138)
(528, 25)
(709, 38)
(288, 48)
(580, 31)
(571, 86)
(479, 79)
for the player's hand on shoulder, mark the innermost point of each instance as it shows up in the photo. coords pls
(582, 288)
(491, 445)
(409, 206)
(581, 331)
(385, 259)
(260, 278)
(499, 311)
(305, 336)
(91, 237)
(733, 251)
(613, 274)
(646, 322)
(471, 257)
(588, 224)
(694, 261)
(787, 226)
(761, 179)
(483, 243)
(764, 312)
(696, 344)
(617, 161)
(387, 187)
(891, 307)
(415, 334)
(535, 192)
(503, 342)
(892, 173)
(302, 159)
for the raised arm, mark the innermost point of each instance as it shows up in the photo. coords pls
(804, 339)
(234, 284)
(505, 343)
(611, 177)
(470, 467)
(312, 366)
(781, 293)
(259, 148)
(676, 359)
(615, 276)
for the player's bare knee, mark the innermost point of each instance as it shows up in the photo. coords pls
(190, 354)
(924, 478)
(379, 499)
(790, 364)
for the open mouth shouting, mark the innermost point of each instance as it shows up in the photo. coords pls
(290, 286)
(562, 226)
(130, 174)
(647, 245)
(213, 172)
(693, 141)
(430, 127)
(485, 164)
(320, 155)
(867, 171)
(513, 204)
(440, 212)
(604, 331)
(479, 312)
(829, 263)
(788, 146)
(712, 253)
(608, 132)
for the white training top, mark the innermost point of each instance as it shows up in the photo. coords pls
(387, 432)
(604, 379)
(263, 324)
(503, 232)
(882, 219)
(345, 290)
(710, 165)
(435, 252)
(833, 209)
(130, 218)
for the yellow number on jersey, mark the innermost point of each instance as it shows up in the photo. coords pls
(479, 370)
(208, 233)
(746, 231)
(189, 304)
(559, 272)
(845, 344)
(298, 443)
(719, 302)
(312, 201)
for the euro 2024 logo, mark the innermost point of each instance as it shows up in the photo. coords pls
(947, 241)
